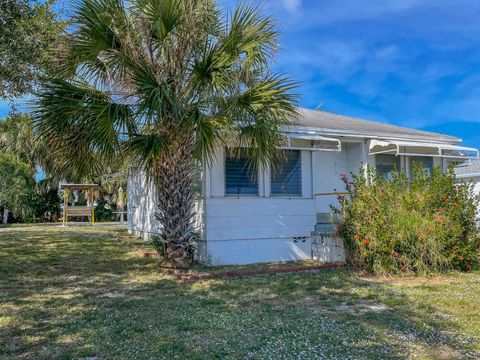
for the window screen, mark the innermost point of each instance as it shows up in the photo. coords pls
(240, 177)
(425, 162)
(387, 165)
(286, 178)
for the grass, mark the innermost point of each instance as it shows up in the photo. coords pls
(77, 292)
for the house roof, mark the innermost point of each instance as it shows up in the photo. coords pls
(347, 125)
(471, 168)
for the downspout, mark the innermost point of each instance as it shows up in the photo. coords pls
(365, 160)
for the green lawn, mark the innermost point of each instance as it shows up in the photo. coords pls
(77, 292)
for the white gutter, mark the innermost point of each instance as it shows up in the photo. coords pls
(331, 132)
(462, 176)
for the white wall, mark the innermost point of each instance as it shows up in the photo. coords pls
(356, 157)
(263, 228)
(241, 230)
(249, 230)
(327, 167)
(141, 204)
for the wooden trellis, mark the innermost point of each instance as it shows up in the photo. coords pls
(78, 210)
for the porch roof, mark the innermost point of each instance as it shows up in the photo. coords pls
(421, 148)
(341, 125)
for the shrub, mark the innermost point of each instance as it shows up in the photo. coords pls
(402, 225)
(104, 212)
(44, 206)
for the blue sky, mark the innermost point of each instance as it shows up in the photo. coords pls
(413, 63)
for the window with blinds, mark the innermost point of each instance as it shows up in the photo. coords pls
(241, 179)
(286, 176)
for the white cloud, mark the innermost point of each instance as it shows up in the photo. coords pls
(292, 5)
(335, 60)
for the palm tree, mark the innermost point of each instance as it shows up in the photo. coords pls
(166, 81)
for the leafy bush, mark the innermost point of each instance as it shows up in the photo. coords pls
(104, 212)
(418, 225)
(44, 206)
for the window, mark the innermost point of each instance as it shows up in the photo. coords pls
(286, 178)
(240, 176)
(424, 162)
(387, 165)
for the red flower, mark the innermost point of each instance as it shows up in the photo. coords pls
(442, 209)
(455, 204)
(366, 242)
(356, 236)
(446, 200)
(403, 267)
(455, 247)
(468, 266)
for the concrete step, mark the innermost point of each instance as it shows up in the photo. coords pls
(325, 228)
(324, 218)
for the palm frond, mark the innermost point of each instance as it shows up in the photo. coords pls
(146, 149)
(101, 27)
(164, 16)
(79, 120)
(156, 99)
(260, 114)
(250, 34)
(209, 133)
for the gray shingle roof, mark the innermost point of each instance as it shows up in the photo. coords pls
(341, 124)
(471, 168)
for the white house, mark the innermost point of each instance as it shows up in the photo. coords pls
(270, 216)
(469, 172)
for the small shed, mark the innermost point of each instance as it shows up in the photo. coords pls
(71, 211)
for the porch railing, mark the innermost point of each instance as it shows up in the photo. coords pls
(338, 193)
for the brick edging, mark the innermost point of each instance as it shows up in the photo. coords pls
(233, 274)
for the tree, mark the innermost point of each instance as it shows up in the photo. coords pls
(16, 185)
(29, 34)
(166, 81)
(16, 137)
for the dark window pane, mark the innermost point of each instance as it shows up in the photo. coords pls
(287, 176)
(387, 165)
(240, 177)
(424, 162)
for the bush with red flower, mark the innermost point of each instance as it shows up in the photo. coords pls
(410, 225)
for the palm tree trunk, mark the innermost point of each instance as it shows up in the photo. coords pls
(174, 182)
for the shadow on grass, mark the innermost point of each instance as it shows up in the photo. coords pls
(77, 292)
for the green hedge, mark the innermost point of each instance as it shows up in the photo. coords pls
(403, 225)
